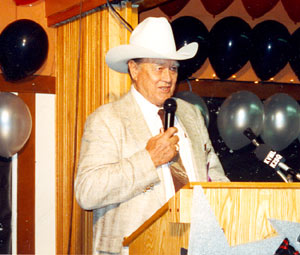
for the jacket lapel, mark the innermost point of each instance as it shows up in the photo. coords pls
(187, 122)
(134, 120)
(137, 126)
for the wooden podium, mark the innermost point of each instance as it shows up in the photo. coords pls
(242, 210)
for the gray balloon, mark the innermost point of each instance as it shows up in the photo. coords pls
(196, 100)
(15, 124)
(282, 121)
(240, 111)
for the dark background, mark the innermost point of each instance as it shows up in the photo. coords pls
(5, 206)
(242, 165)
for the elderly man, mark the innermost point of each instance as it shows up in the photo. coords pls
(126, 158)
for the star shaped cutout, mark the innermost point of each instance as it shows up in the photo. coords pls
(207, 237)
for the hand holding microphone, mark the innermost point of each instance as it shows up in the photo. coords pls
(164, 146)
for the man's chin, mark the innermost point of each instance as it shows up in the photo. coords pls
(161, 103)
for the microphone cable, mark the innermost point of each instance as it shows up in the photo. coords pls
(119, 17)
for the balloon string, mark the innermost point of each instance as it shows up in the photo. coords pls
(16, 12)
(75, 131)
(190, 85)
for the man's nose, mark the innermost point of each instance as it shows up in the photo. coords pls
(166, 75)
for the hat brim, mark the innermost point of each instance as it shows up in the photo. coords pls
(118, 57)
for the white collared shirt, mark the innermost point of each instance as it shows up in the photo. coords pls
(150, 113)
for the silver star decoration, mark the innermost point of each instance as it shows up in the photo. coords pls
(207, 237)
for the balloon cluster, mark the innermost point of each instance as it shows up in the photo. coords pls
(15, 124)
(23, 49)
(255, 8)
(276, 120)
(231, 43)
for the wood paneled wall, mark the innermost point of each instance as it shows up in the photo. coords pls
(80, 90)
(26, 90)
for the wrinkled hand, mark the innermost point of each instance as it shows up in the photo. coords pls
(162, 146)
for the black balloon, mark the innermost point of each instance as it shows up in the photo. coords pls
(271, 48)
(295, 53)
(230, 46)
(187, 29)
(23, 49)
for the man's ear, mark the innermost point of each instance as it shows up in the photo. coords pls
(133, 69)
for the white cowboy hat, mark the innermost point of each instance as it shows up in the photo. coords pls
(152, 38)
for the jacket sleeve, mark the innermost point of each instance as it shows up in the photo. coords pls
(109, 172)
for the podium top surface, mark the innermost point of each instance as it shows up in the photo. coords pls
(245, 185)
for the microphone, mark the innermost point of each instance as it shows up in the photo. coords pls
(170, 107)
(274, 159)
(251, 136)
(270, 157)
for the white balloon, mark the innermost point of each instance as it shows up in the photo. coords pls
(15, 124)
(282, 121)
(239, 111)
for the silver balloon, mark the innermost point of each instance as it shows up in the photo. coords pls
(282, 121)
(240, 111)
(196, 100)
(15, 124)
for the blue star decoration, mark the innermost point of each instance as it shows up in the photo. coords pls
(207, 237)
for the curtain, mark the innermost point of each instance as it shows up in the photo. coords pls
(84, 82)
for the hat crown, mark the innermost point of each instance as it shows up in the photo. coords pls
(152, 38)
(154, 34)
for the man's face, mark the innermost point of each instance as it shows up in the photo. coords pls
(155, 79)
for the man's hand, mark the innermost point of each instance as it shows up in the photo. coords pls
(162, 147)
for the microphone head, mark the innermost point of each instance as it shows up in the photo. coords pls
(170, 105)
(262, 151)
(250, 134)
